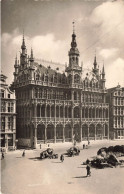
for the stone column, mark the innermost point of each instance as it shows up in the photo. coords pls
(35, 137)
(72, 131)
(55, 134)
(102, 131)
(50, 111)
(108, 130)
(14, 139)
(45, 135)
(6, 142)
(63, 133)
(81, 122)
(95, 132)
(88, 132)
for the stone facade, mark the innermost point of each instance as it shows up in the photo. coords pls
(59, 107)
(115, 98)
(8, 115)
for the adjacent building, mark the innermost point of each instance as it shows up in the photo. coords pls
(8, 115)
(59, 107)
(115, 98)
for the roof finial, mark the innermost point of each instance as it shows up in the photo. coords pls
(73, 26)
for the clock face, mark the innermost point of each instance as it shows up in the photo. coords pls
(87, 73)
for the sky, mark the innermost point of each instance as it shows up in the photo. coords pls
(47, 25)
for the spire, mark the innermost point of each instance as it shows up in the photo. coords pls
(31, 53)
(103, 70)
(73, 27)
(31, 57)
(73, 43)
(23, 42)
(16, 59)
(95, 63)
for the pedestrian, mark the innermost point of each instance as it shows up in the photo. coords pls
(83, 146)
(40, 145)
(62, 157)
(87, 161)
(48, 145)
(88, 142)
(2, 155)
(88, 170)
(23, 154)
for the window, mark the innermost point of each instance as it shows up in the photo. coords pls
(10, 122)
(2, 94)
(8, 95)
(3, 107)
(10, 140)
(3, 123)
(10, 107)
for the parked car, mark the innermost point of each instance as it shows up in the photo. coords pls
(48, 154)
(73, 151)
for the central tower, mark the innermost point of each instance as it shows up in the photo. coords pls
(73, 70)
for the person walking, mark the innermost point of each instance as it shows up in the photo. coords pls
(88, 170)
(62, 157)
(23, 154)
(40, 145)
(2, 155)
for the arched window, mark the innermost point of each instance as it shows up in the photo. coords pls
(76, 78)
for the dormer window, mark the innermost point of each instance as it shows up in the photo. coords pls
(8, 95)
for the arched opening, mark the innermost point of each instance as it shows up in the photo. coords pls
(84, 131)
(99, 131)
(106, 113)
(77, 132)
(50, 131)
(67, 131)
(92, 131)
(66, 112)
(41, 132)
(69, 112)
(86, 113)
(76, 112)
(38, 110)
(48, 110)
(93, 113)
(61, 111)
(83, 115)
(90, 112)
(43, 111)
(75, 95)
(59, 132)
(97, 113)
(52, 111)
(57, 111)
(100, 113)
(106, 130)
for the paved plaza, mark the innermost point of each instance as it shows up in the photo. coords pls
(29, 175)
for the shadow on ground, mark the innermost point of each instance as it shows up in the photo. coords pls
(56, 162)
(80, 177)
(35, 158)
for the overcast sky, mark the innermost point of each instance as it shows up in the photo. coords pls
(47, 25)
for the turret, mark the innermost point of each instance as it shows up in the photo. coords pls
(31, 57)
(73, 53)
(23, 55)
(103, 78)
(16, 66)
(73, 70)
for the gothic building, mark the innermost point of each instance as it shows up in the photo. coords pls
(8, 115)
(115, 98)
(59, 107)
